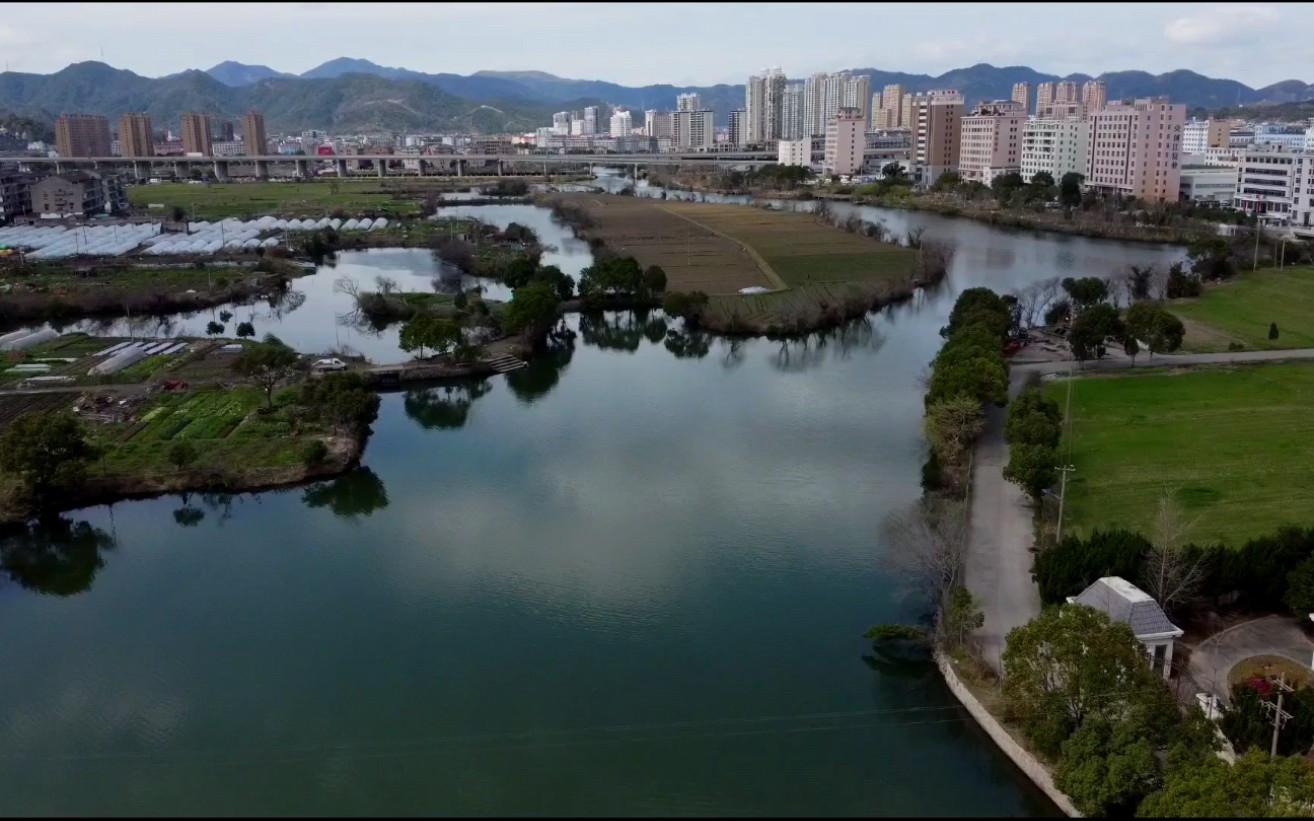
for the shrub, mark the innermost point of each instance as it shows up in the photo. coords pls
(314, 453)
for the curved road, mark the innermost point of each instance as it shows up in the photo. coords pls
(999, 556)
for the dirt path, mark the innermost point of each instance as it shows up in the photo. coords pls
(767, 270)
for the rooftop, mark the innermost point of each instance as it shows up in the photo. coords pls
(1127, 603)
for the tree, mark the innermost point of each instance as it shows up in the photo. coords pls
(1272, 331)
(341, 401)
(1106, 769)
(654, 279)
(952, 424)
(686, 305)
(1131, 347)
(533, 309)
(1181, 284)
(1211, 258)
(960, 617)
(893, 171)
(245, 330)
(1092, 328)
(1300, 588)
(182, 453)
(1255, 787)
(1070, 189)
(982, 376)
(1172, 574)
(1032, 468)
(213, 328)
(1033, 420)
(1042, 179)
(1071, 664)
(947, 181)
(1007, 183)
(267, 364)
(928, 541)
(1058, 312)
(48, 451)
(1086, 292)
(1138, 281)
(979, 305)
(1160, 330)
(429, 331)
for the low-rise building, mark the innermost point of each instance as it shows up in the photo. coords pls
(1056, 147)
(78, 194)
(15, 194)
(1208, 183)
(1124, 602)
(794, 152)
(1266, 183)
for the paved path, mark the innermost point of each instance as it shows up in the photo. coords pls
(999, 559)
(1269, 636)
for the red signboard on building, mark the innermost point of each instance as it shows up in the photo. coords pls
(324, 151)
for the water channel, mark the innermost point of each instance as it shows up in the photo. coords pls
(618, 581)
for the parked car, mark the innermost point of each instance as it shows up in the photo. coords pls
(333, 364)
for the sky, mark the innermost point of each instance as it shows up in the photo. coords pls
(677, 43)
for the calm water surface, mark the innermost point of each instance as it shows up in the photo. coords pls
(618, 581)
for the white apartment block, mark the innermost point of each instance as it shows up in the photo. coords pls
(227, 148)
(1266, 183)
(621, 124)
(687, 102)
(791, 112)
(1056, 146)
(990, 142)
(1135, 149)
(561, 123)
(795, 152)
(1302, 198)
(694, 130)
(845, 142)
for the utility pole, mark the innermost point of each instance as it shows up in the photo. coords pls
(1259, 232)
(1067, 466)
(1280, 716)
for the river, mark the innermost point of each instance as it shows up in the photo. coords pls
(616, 582)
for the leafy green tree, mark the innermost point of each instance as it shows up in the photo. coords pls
(429, 331)
(952, 424)
(1131, 347)
(182, 453)
(1042, 179)
(1107, 769)
(1085, 292)
(245, 330)
(1300, 588)
(1073, 564)
(1255, 787)
(654, 279)
(341, 401)
(1272, 331)
(979, 305)
(1181, 284)
(213, 328)
(980, 376)
(1211, 258)
(686, 305)
(1161, 331)
(961, 617)
(533, 309)
(1092, 328)
(48, 452)
(948, 181)
(1032, 468)
(1033, 420)
(1007, 183)
(1070, 189)
(893, 171)
(1248, 724)
(519, 271)
(1071, 664)
(268, 364)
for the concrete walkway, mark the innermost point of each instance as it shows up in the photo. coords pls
(1270, 636)
(999, 558)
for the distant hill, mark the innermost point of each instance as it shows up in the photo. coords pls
(350, 94)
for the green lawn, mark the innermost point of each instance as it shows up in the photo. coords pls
(1241, 311)
(255, 199)
(1237, 444)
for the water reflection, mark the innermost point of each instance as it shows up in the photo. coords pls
(687, 343)
(358, 493)
(541, 375)
(444, 407)
(621, 330)
(55, 555)
(800, 353)
(188, 515)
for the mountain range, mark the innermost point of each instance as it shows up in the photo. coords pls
(353, 95)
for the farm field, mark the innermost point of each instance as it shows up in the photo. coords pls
(1241, 311)
(694, 258)
(799, 248)
(1237, 444)
(203, 361)
(215, 201)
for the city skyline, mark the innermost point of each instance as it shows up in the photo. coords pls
(1217, 40)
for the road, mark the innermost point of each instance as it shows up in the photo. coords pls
(1270, 636)
(999, 558)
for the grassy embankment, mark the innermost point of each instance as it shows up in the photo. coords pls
(239, 445)
(816, 272)
(1236, 443)
(216, 201)
(1240, 311)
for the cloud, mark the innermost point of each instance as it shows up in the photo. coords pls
(1222, 25)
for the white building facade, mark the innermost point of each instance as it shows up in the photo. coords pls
(621, 124)
(1056, 146)
(1266, 183)
(795, 152)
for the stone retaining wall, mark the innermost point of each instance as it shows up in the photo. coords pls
(1025, 761)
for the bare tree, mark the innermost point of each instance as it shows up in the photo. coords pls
(927, 546)
(346, 285)
(386, 285)
(1172, 575)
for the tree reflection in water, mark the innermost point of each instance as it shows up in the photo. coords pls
(358, 493)
(445, 407)
(545, 367)
(801, 352)
(54, 555)
(688, 343)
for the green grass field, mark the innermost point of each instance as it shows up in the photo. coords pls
(1237, 444)
(1241, 310)
(256, 199)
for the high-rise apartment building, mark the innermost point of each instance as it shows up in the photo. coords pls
(1065, 91)
(935, 119)
(1094, 95)
(591, 119)
(738, 121)
(687, 102)
(1056, 147)
(844, 141)
(1044, 96)
(226, 134)
(990, 142)
(1135, 149)
(892, 101)
(621, 123)
(792, 109)
(857, 93)
(754, 108)
(82, 135)
(136, 138)
(254, 139)
(1022, 94)
(694, 130)
(658, 123)
(196, 134)
(561, 123)
(814, 104)
(774, 103)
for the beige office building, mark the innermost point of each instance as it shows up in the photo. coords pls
(845, 141)
(991, 140)
(82, 135)
(935, 120)
(196, 134)
(1135, 149)
(254, 138)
